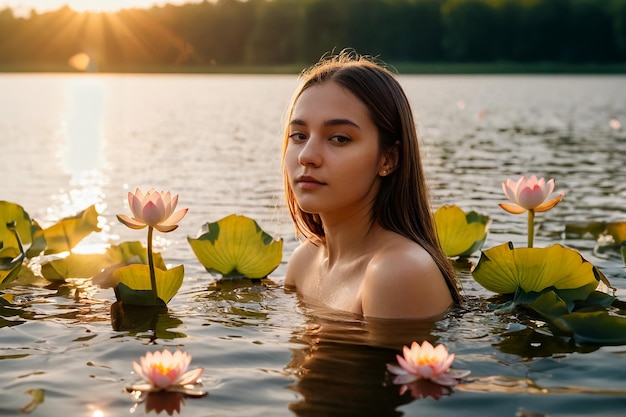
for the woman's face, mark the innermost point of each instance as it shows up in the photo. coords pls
(333, 157)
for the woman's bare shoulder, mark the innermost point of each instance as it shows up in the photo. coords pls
(403, 281)
(299, 261)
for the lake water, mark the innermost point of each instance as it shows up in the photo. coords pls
(69, 141)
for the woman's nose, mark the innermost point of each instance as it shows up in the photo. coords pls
(310, 153)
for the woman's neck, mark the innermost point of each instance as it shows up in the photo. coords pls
(348, 237)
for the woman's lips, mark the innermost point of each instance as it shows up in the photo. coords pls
(307, 182)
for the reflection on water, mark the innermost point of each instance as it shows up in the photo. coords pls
(145, 322)
(240, 301)
(83, 156)
(83, 125)
(341, 368)
(536, 343)
(69, 302)
(344, 380)
(167, 402)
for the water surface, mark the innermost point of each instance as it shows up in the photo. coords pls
(69, 141)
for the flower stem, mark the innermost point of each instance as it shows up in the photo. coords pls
(531, 227)
(151, 266)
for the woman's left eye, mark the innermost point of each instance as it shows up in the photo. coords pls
(340, 139)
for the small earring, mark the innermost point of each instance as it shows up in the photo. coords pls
(384, 173)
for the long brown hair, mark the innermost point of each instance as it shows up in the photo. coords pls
(402, 204)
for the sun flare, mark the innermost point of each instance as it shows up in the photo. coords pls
(22, 7)
(104, 5)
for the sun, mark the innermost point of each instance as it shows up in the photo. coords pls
(105, 6)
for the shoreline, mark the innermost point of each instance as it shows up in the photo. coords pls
(427, 68)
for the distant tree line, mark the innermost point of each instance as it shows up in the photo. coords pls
(282, 32)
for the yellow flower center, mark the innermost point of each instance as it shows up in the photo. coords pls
(163, 369)
(425, 360)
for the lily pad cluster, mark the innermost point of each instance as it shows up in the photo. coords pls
(22, 238)
(556, 283)
(233, 246)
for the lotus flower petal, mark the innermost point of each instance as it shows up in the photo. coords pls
(130, 222)
(547, 205)
(510, 189)
(445, 379)
(171, 222)
(152, 212)
(397, 370)
(404, 379)
(191, 377)
(512, 208)
(176, 217)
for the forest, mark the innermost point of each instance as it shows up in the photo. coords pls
(297, 32)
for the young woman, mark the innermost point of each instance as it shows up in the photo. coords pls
(357, 194)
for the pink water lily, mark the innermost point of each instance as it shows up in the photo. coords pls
(529, 194)
(154, 209)
(426, 362)
(164, 371)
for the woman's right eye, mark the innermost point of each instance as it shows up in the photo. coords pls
(297, 136)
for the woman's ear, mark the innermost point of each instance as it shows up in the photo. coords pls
(390, 159)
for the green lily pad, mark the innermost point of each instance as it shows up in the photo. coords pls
(236, 246)
(74, 266)
(11, 213)
(549, 304)
(503, 269)
(591, 326)
(586, 321)
(68, 232)
(581, 230)
(10, 265)
(574, 298)
(6, 299)
(460, 234)
(16, 224)
(38, 243)
(616, 241)
(595, 327)
(134, 285)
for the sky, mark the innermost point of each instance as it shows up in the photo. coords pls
(23, 7)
